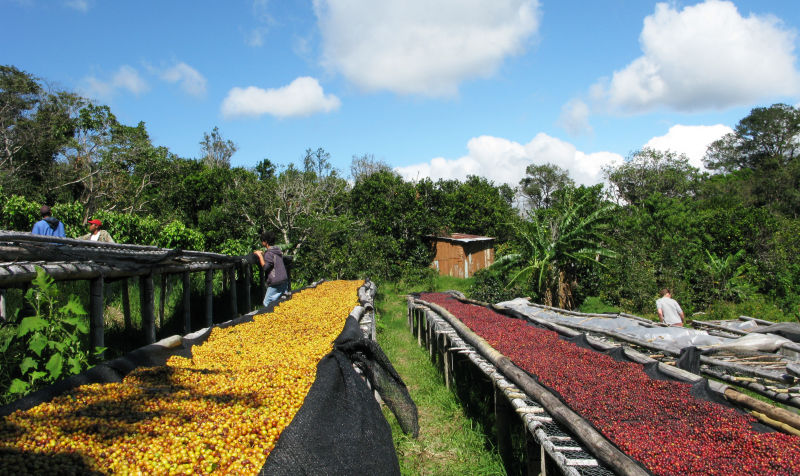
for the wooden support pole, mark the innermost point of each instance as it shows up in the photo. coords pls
(233, 295)
(533, 455)
(126, 306)
(419, 328)
(187, 298)
(162, 300)
(502, 420)
(248, 302)
(209, 298)
(146, 297)
(96, 305)
(3, 310)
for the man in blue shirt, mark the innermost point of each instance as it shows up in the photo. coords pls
(48, 225)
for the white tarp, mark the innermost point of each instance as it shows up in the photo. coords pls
(673, 338)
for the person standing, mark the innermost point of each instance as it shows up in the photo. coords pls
(96, 234)
(669, 311)
(48, 225)
(274, 268)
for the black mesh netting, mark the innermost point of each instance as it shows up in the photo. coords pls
(340, 428)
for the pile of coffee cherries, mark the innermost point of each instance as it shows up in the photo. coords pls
(219, 412)
(656, 422)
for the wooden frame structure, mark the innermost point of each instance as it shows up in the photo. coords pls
(66, 259)
(461, 255)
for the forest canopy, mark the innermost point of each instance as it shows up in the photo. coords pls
(725, 239)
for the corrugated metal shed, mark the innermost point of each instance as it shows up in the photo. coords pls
(461, 255)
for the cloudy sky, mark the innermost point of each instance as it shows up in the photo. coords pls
(435, 88)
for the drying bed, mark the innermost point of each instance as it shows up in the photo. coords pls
(656, 422)
(222, 410)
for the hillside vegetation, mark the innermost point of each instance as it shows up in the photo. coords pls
(725, 240)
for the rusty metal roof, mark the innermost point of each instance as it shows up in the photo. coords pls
(461, 237)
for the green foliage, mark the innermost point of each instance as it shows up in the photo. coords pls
(72, 215)
(177, 235)
(594, 304)
(490, 286)
(47, 345)
(127, 228)
(756, 306)
(19, 214)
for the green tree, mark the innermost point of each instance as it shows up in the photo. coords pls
(763, 151)
(216, 151)
(650, 171)
(556, 245)
(541, 181)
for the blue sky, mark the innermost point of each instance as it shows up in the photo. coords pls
(439, 88)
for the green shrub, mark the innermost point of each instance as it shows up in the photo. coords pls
(594, 304)
(177, 235)
(19, 214)
(757, 306)
(46, 345)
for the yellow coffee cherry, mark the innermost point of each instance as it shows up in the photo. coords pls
(220, 412)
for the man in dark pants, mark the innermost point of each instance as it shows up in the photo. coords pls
(274, 268)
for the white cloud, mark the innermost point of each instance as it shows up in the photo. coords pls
(191, 81)
(302, 97)
(422, 47)
(575, 118)
(690, 140)
(504, 161)
(80, 5)
(126, 78)
(704, 56)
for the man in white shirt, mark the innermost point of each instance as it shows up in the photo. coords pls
(669, 311)
(96, 234)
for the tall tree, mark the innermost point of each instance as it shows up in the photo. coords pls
(541, 182)
(764, 152)
(217, 151)
(318, 161)
(365, 165)
(557, 244)
(648, 171)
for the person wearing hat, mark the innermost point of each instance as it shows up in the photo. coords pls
(48, 225)
(96, 234)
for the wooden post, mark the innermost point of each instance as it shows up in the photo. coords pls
(162, 299)
(187, 296)
(233, 295)
(209, 298)
(126, 306)
(248, 303)
(502, 420)
(3, 310)
(96, 306)
(419, 328)
(263, 282)
(533, 455)
(146, 298)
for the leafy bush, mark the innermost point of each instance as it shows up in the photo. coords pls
(489, 286)
(53, 335)
(756, 306)
(594, 304)
(19, 214)
(177, 235)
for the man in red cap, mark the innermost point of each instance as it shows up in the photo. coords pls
(96, 234)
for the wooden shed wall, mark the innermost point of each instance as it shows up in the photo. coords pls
(462, 259)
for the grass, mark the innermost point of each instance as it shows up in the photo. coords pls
(449, 443)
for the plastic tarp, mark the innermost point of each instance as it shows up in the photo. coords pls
(672, 338)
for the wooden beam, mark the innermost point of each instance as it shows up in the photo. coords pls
(209, 298)
(96, 305)
(146, 297)
(187, 297)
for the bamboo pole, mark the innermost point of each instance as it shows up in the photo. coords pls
(209, 298)
(603, 449)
